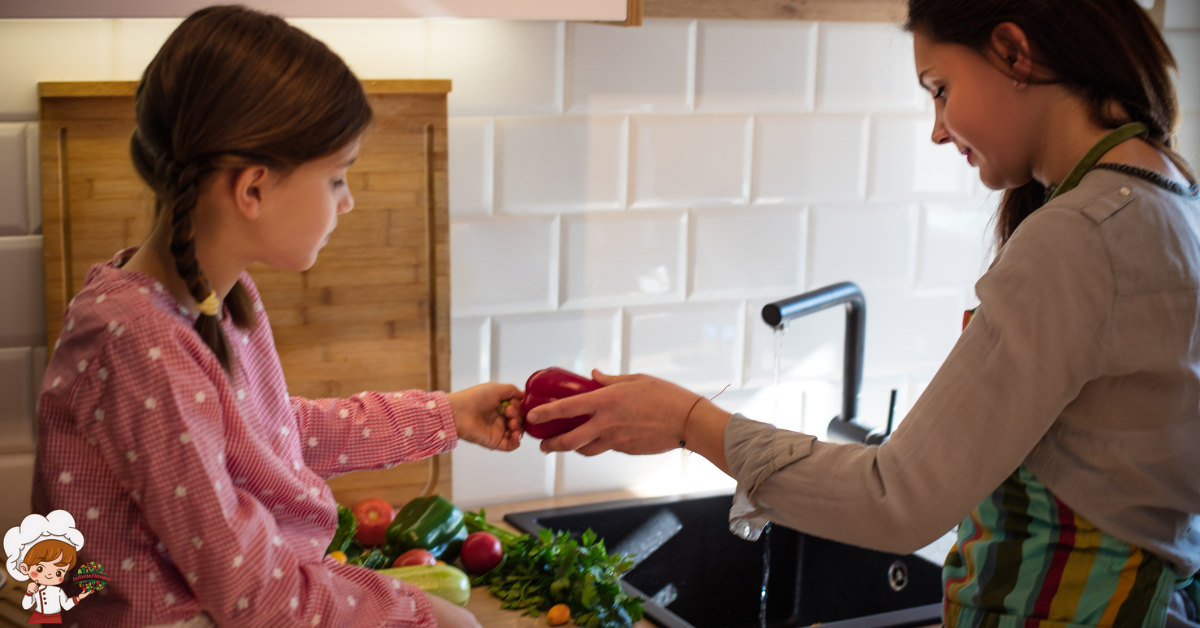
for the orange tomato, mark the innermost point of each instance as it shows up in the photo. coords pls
(338, 556)
(559, 614)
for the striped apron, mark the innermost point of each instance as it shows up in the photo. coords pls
(1024, 559)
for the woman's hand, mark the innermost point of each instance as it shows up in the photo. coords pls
(637, 414)
(478, 420)
(451, 616)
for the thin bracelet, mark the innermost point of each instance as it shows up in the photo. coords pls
(682, 442)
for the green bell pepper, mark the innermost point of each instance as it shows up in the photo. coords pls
(428, 523)
(344, 535)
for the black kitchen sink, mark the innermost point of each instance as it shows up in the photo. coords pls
(695, 573)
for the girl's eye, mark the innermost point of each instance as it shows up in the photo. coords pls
(339, 183)
(39, 568)
(58, 574)
(940, 93)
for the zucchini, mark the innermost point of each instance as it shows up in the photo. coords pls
(444, 581)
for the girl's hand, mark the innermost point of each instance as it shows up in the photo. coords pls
(85, 594)
(451, 616)
(33, 587)
(478, 420)
(633, 414)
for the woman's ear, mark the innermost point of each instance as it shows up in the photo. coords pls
(248, 188)
(1012, 47)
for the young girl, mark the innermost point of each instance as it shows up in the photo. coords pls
(1063, 430)
(165, 422)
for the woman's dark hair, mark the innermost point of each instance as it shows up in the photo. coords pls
(233, 87)
(1104, 51)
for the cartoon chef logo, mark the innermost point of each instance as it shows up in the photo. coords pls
(43, 550)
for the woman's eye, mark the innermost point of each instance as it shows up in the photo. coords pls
(339, 183)
(940, 93)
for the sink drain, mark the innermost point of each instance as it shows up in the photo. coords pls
(898, 576)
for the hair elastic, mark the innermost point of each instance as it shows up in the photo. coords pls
(211, 305)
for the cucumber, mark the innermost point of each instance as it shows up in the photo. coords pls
(444, 581)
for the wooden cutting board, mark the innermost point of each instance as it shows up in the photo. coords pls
(372, 314)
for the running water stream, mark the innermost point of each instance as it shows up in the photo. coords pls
(766, 533)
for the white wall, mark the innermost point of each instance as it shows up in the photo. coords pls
(626, 199)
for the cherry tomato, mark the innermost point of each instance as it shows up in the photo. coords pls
(338, 556)
(481, 552)
(415, 557)
(559, 614)
(374, 515)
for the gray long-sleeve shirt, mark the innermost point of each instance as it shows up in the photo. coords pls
(1082, 362)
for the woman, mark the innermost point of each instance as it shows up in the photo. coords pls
(1065, 424)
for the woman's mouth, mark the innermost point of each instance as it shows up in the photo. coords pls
(968, 152)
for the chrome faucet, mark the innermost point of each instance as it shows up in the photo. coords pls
(779, 313)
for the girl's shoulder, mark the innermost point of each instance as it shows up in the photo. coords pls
(117, 310)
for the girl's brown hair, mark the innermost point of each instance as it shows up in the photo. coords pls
(51, 550)
(1104, 51)
(233, 87)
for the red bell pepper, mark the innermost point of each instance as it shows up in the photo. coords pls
(549, 385)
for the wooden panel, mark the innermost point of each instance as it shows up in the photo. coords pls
(819, 10)
(823, 10)
(481, 9)
(372, 314)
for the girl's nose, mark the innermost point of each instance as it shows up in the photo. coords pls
(346, 204)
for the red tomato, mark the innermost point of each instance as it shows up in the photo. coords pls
(415, 557)
(374, 515)
(481, 552)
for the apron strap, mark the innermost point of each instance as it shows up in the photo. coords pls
(1093, 156)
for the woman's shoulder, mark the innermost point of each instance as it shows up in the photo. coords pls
(1107, 190)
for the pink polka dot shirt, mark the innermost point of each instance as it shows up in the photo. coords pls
(199, 490)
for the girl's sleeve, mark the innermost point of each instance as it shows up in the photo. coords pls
(1040, 334)
(163, 438)
(373, 430)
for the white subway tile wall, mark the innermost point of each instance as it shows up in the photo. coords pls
(135, 42)
(471, 153)
(626, 199)
(1186, 46)
(498, 67)
(23, 319)
(49, 50)
(14, 207)
(16, 389)
(809, 158)
(630, 69)
(1182, 14)
(678, 161)
(874, 246)
(503, 264)
(783, 55)
(375, 47)
(560, 164)
(907, 165)
(747, 250)
(618, 258)
(866, 67)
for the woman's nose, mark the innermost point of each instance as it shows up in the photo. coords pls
(940, 134)
(347, 204)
